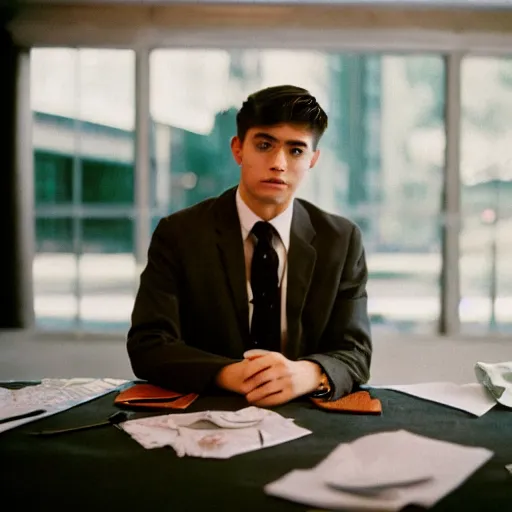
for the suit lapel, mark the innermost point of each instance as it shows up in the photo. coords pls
(301, 263)
(231, 250)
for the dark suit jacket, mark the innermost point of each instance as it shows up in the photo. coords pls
(191, 315)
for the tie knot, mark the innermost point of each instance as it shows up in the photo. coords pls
(263, 231)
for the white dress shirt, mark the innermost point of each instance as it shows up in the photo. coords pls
(282, 224)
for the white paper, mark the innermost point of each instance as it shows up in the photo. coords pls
(374, 474)
(53, 395)
(497, 378)
(446, 464)
(214, 434)
(473, 398)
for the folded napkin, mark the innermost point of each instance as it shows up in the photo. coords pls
(497, 378)
(385, 472)
(214, 434)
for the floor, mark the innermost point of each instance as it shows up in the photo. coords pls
(396, 360)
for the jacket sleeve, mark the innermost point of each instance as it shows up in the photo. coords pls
(156, 349)
(345, 349)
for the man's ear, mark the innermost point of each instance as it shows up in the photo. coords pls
(236, 149)
(316, 155)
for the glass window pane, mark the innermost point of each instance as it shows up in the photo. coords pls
(55, 274)
(486, 195)
(53, 178)
(105, 182)
(107, 236)
(84, 118)
(107, 274)
(54, 235)
(382, 156)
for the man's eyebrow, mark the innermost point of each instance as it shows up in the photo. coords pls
(271, 138)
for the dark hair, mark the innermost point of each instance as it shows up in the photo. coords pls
(281, 104)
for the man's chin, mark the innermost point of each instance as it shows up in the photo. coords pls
(276, 196)
(273, 199)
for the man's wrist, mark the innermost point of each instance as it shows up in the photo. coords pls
(310, 376)
(322, 388)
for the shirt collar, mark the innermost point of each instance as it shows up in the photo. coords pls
(282, 223)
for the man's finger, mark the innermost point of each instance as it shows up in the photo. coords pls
(261, 378)
(273, 400)
(270, 388)
(255, 352)
(258, 364)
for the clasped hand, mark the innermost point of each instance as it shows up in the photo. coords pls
(269, 378)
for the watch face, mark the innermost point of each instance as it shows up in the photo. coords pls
(324, 388)
(320, 393)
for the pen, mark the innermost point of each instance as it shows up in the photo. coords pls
(22, 416)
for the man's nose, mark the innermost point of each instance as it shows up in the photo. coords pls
(279, 163)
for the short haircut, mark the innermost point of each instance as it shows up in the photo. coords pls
(281, 104)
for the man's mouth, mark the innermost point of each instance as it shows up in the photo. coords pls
(275, 181)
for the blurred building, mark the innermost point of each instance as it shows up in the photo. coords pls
(117, 145)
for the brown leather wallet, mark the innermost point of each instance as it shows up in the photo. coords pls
(148, 396)
(359, 402)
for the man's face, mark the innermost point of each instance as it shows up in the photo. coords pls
(273, 162)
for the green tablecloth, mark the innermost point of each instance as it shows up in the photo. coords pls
(104, 469)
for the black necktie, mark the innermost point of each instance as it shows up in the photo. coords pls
(266, 315)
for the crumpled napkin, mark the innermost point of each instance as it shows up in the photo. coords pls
(214, 434)
(497, 378)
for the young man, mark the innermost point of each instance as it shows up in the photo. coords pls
(254, 291)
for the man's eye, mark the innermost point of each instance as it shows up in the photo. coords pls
(263, 145)
(296, 151)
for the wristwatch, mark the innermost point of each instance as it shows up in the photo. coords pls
(324, 388)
